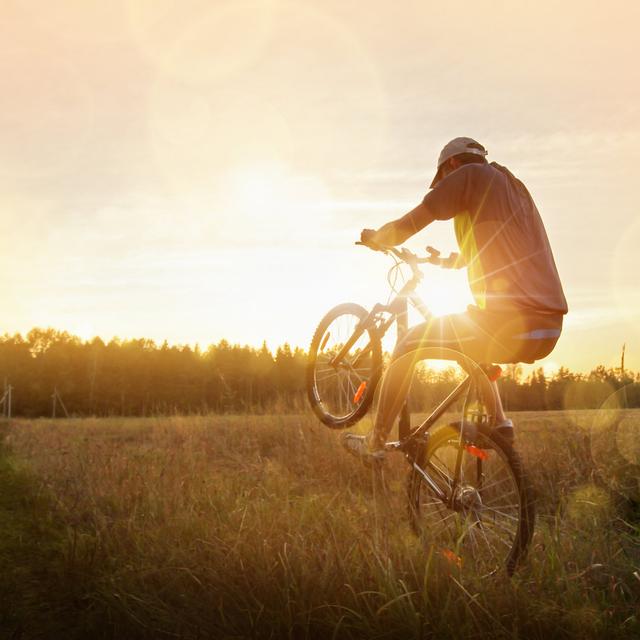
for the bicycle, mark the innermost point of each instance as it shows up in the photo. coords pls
(468, 493)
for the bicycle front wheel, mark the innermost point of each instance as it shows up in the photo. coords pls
(341, 389)
(486, 519)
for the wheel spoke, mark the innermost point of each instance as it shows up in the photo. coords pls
(482, 523)
(507, 543)
(490, 547)
(334, 383)
(495, 484)
(497, 507)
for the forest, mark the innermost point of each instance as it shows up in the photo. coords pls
(51, 371)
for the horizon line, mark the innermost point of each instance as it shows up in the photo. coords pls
(264, 342)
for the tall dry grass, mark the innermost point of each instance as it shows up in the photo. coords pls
(261, 527)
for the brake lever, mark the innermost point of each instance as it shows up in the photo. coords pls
(434, 256)
(433, 253)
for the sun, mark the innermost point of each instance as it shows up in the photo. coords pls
(449, 295)
(444, 292)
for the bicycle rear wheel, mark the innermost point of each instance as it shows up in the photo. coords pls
(486, 521)
(340, 392)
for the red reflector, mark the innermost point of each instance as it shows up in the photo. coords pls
(360, 391)
(478, 453)
(452, 557)
(494, 372)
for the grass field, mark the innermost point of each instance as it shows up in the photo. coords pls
(261, 527)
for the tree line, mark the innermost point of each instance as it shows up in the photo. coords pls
(141, 378)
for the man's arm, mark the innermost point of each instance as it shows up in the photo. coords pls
(448, 198)
(396, 232)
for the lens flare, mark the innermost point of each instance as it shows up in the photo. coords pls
(200, 47)
(624, 269)
(42, 140)
(615, 459)
(90, 21)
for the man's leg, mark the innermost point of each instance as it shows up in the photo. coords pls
(500, 417)
(393, 394)
(455, 332)
(447, 332)
(396, 383)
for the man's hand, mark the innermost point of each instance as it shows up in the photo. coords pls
(367, 236)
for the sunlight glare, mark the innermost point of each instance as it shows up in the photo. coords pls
(550, 368)
(268, 198)
(83, 330)
(445, 292)
(446, 298)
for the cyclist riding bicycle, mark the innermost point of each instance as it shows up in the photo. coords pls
(511, 271)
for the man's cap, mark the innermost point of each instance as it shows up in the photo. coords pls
(456, 147)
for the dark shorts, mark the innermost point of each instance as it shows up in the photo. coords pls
(488, 336)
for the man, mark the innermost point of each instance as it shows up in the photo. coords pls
(513, 277)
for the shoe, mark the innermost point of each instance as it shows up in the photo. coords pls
(358, 446)
(505, 430)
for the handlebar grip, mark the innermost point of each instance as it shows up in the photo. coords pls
(371, 245)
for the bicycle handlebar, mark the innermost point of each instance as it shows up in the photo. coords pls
(411, 258)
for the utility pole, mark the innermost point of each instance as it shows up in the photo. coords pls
(5, 401)
(92, 385)
(624, 386)
(57, 399)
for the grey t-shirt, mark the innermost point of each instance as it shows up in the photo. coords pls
(501, 237)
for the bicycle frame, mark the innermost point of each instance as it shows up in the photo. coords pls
(410, 441)
(461, 478)
(467, 487)
(399, 312)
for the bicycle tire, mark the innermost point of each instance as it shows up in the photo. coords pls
(344, 395)
(469, 538)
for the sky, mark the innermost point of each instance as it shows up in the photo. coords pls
(194, 170)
